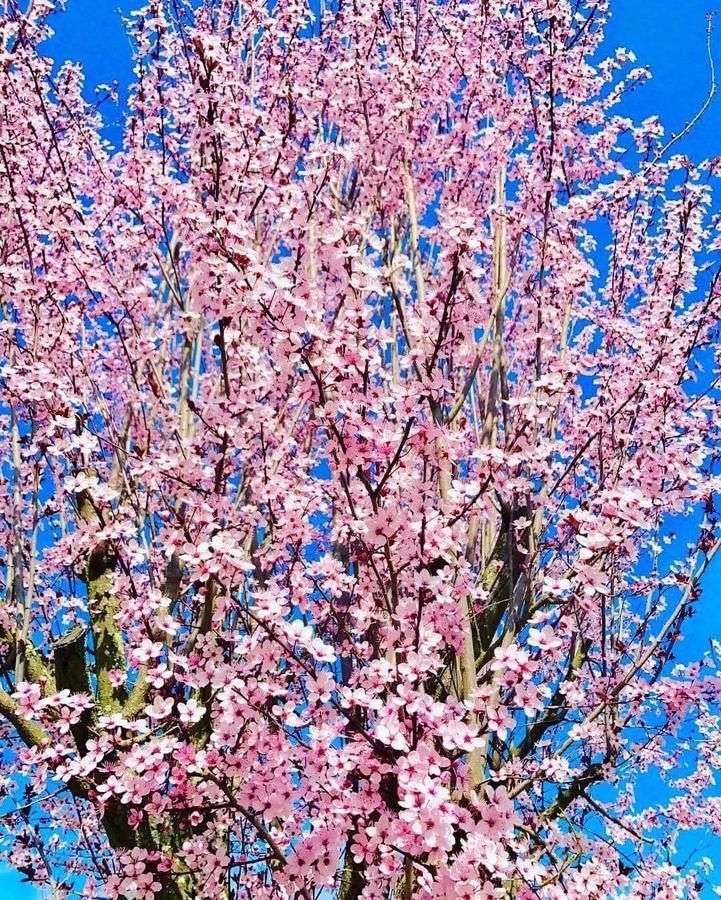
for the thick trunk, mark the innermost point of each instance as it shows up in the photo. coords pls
(352, 880)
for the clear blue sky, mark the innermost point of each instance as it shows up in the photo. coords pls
(667, 35)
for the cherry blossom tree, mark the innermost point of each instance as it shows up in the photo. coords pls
(350, 408)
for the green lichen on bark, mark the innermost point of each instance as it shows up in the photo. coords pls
(103, 609)
(107, 637)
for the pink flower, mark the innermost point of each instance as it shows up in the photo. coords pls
(499, 720)
(545, 639)
(160, 709)
(191, 711)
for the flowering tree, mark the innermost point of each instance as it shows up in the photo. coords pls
(349, 407)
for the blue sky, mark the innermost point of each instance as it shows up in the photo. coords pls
(670, 37)
(667, 35)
